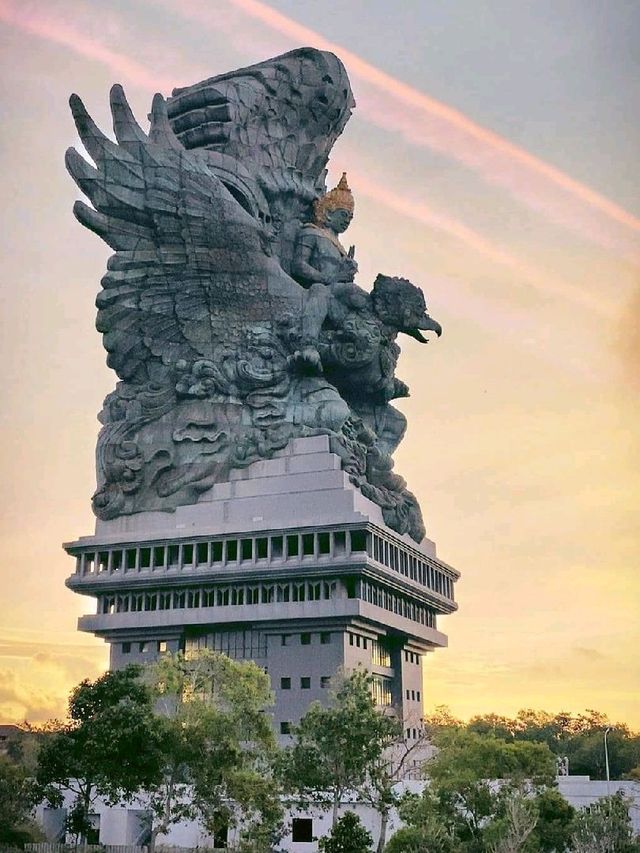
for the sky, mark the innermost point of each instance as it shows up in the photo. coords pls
(493, 156)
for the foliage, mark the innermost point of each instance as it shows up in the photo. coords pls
(216, 748)
(605, 827)
(335, 748)
(348, 835)
(106, 748)
(16, 800)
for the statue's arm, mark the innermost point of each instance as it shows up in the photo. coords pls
(303, 270)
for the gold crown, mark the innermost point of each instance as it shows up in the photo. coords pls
(339, 198)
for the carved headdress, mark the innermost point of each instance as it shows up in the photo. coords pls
(339, 198)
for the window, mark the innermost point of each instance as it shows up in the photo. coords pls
(284, 639)
(158, 558)
(151, 601)
(116, 561)
(246, 549)
(350, 639)
(325, 638)
(262, 547)
(162, 646)
(413, 695)
(302, 829)
(164, 601)
(418, 695)
(339, 542)
(103, 561)
(276, 547)
(305, 639)
(324, 543)
(179, 599)
(172, 555)
(325, 681)
(292, 546)
(142, 648)
(285, 683)
(285, 728)
(358, 540)
(216, 552)
(232, 550)
(305, 683)
(131, 558)
(145, 558)
(314, 591)
(126, 648)
(408, 694)
(187, 555)
(202, 553)
(193, 598)
(307, 544)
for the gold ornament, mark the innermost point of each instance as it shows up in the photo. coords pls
(339, 198)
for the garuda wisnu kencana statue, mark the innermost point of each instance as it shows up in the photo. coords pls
(229, 310)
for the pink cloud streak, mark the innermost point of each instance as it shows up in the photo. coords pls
(424, 121)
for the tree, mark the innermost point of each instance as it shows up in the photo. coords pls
(216, 749)
(336, 747)
(106, 748)
(348, 835)
(605, 827)
(555, 821)
(16, 800)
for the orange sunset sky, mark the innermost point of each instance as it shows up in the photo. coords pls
(493, 155)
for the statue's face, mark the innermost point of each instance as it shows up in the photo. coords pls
(338, 220)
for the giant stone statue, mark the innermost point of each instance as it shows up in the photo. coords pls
(229, 310)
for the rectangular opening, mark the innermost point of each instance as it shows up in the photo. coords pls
(116, 561)
(246, 549)
(285, 683)
(126, 648)
(307, 545)
(358, 540)
(187, 555)
(193, 598)
(305, 682)
(131, 558)
(284, 639)
(325, 681)
(172, 555)
(285, 728)
(158, 557)
(162, 646)
(145, 558)
(216, 552)
(339, 542)
(262, 548)
(324, 543)
(325, 638)
(103, 561)
(292, 546)
(305, 639)
(276, 547)
(202, 553)
(179, 599)
(232, 550)
(302, 829)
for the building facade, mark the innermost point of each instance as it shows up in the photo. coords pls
(288, 565)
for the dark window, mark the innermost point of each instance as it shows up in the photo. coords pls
(246, 549)
(232, 550)
(158, 557)
(262, 548)
(324, 543)
(187, 555)
(202, 552)
(131, 558)
(305, 639)
(103, 561)
(116, 561)
(339, 542)
(126, 648)
(276, 547)
(305, 683)
(350, 639)
(172, 555)
(285, 728)
(220, 834)
(325, 680)
(292, 546)
(216, 552)
(285, 683)
(284, 640)
(145, 558)
(350, 584)
(418, 695)
(325, 638)
(307, 544)
(302, 829)
(358, 540)
(179, 599)
(408, 693)
(142, 647)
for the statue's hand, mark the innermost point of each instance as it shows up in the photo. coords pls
(348, 269)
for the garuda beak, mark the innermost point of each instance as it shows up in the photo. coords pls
(428, 324)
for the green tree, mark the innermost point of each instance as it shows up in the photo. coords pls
(106, 748)
(336, 748)
(555, 821)
(605, 827)
(348, 835)
(217, 747)
(16, 801)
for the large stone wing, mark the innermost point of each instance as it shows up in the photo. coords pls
(190, 267)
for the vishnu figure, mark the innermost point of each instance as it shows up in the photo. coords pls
(320, 262)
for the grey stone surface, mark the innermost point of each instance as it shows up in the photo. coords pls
(229, 310)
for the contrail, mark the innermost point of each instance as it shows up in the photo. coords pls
(64, 34)
(426, 121)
